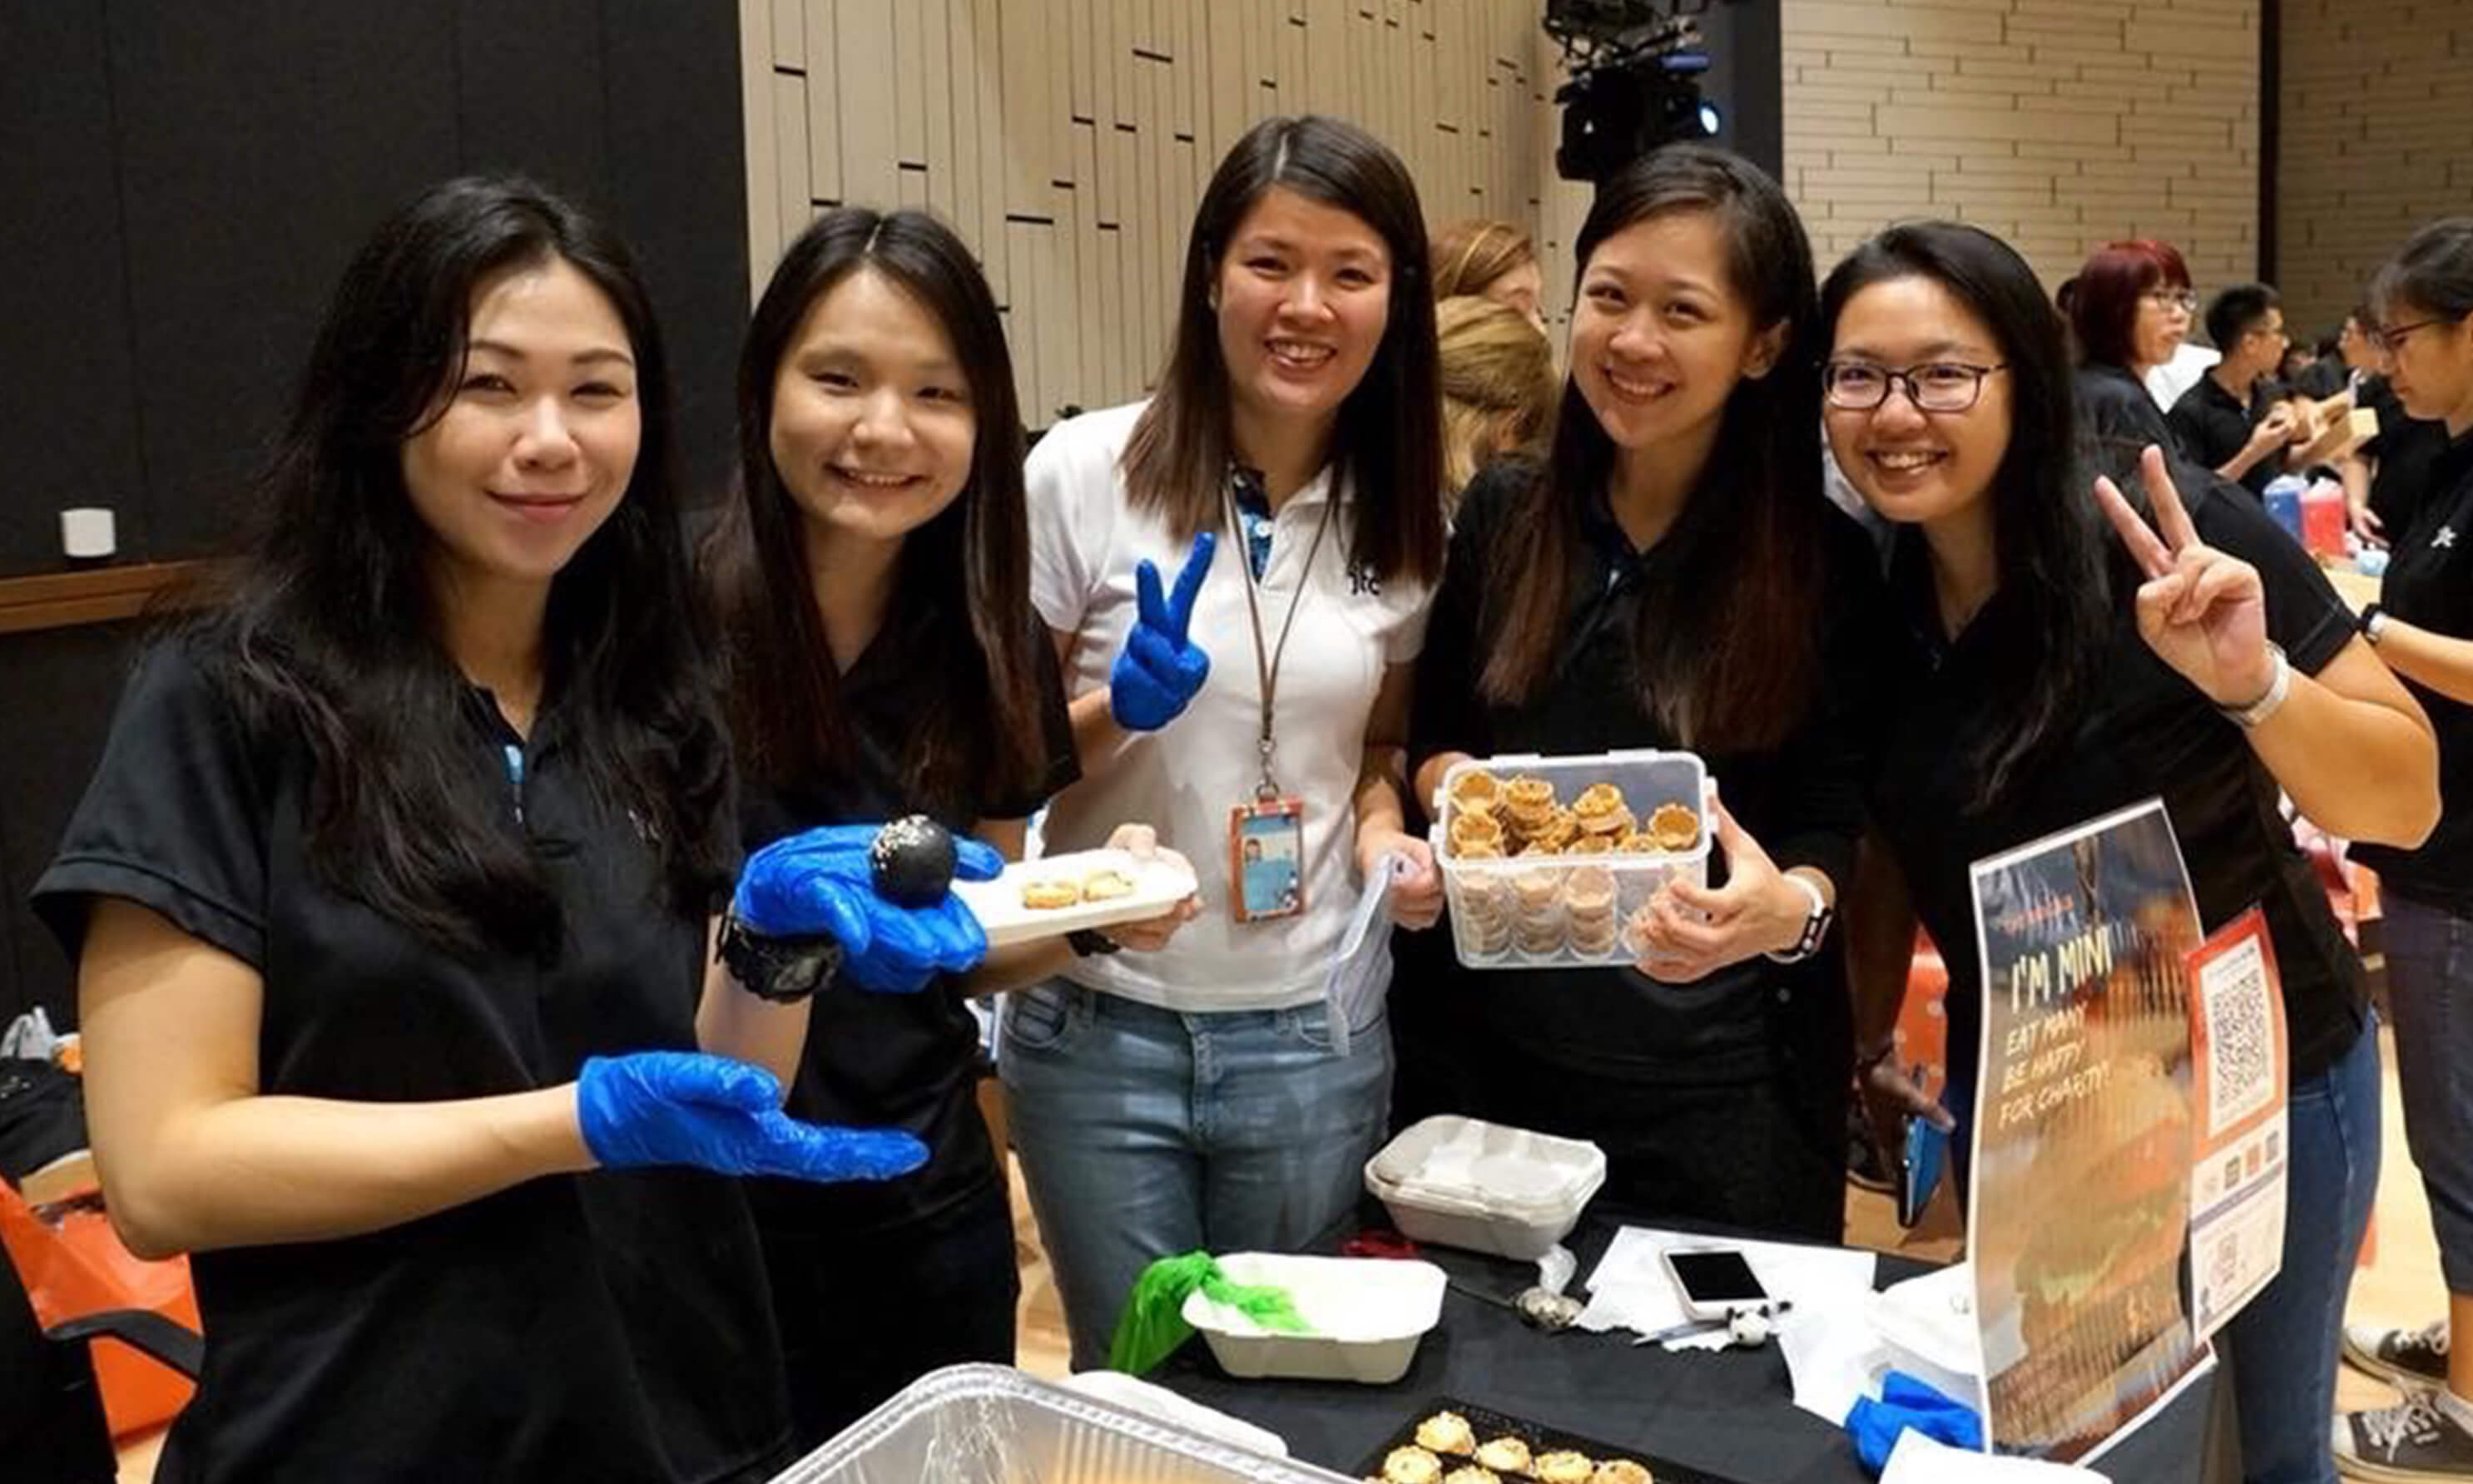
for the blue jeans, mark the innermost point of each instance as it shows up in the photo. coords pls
(2430, 986)
(1145, 1133)
(2284, 1345)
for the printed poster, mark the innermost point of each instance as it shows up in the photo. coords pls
(2079, 1203)
(2239, 1064)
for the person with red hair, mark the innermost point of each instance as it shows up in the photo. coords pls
(2129, 309)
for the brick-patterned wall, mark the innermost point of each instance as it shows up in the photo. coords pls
(2058, 124)
(2376, 121)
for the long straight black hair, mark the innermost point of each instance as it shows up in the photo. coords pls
(964, 574)
(1727, 654)
(1388, 449)
(329, 628)
(2053, 561)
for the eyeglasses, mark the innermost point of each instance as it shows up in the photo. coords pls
(2184, 300)
(2388, 339)
(1940, 386)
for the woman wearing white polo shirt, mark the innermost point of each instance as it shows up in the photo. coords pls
(1253, 703)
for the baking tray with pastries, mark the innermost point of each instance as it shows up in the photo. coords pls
(1452, 1442)
(1551, 860)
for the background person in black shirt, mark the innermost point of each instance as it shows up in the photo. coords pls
(2219, 421)
(390, 899)
(2129, 309)
(2423, 628)
(2046, 680)
(1666, 579)
(873, 582)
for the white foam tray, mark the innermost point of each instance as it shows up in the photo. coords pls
(1367, 1315)
(1485, 1187)
(1159, 883)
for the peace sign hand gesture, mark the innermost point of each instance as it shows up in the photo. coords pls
(2201, 612)
(1160, 670)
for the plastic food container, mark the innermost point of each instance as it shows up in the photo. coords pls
(1485, 1187)
(1554, 906)
(1367, 1313)
(991, 1424)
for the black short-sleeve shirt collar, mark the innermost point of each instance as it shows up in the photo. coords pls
(2214, 426)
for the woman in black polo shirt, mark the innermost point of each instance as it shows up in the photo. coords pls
(390, 899)
(872, 585)
(2423, 629)
(2039, 683)
(1669, 578)
(2130, 308)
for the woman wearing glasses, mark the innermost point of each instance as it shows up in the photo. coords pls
(2130, 309)
(1672, 578)
(2047, 674)
(2423, 628)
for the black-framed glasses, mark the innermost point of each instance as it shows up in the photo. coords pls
(1937, 386)
(2387, 338)
(2184, 300)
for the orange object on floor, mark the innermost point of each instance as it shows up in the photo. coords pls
(73, 1265)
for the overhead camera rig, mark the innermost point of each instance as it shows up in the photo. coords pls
(1635, 81)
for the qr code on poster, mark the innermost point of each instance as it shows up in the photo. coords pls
(2239, 1037)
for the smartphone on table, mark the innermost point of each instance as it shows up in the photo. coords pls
(1715, 1281)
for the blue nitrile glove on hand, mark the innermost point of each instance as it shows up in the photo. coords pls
(714, 1113)
(1908, 1402)
(1160, 671)
(821, 881)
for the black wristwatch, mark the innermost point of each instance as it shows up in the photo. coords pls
(1087, 941)
(783, 969)
(2374, 623)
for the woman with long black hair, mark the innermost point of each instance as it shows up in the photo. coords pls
(390, 904)
(1670, 577)
(2047, 674)
(872, 582)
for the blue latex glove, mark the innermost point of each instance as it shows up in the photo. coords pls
(819, 881)
(1908, 1402)
(714, 1113)
(1160, 670)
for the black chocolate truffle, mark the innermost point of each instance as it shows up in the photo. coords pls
(912, 860)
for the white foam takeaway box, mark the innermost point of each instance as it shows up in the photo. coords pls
(1366, 1315)
(1485, 1187)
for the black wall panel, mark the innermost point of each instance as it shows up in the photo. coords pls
(68, 408)
(179, 186)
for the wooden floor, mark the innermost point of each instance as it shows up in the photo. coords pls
(2399, 1285)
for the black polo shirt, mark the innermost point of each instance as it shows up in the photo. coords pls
(2429, 584)
(901, 1061)
(605, 1326)
(2213, 425)
(2142, 732)
(2404, 451)
(2123, 419)
(1802, 801)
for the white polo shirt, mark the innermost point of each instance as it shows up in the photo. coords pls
(1185, 778)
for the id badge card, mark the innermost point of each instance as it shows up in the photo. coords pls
(1266, 859)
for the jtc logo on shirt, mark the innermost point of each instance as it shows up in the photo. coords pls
(1362, 582)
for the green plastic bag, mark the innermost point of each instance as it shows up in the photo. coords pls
(1153, 1325)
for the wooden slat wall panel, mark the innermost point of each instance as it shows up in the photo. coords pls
(1068, 140)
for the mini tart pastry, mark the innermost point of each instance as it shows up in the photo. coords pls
(1412, 1466)
(1637, 842)
(1048, 895)
(1556, 831)
(1623, 1470)
(1106, 884)
(1505, 1456)
(1527, 795)
(1599, 802)
(1447, 1432)
(1586, 844)
(1476, 790)
(1590, 890)
(1471, 1474)
(1674, 826)
(1609, 827)
(1471, 831)
(1565, 1468)
(1477, 852)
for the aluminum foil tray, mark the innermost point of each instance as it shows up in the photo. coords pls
(993, 1424)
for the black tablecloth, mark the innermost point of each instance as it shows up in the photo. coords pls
(1730, 1413)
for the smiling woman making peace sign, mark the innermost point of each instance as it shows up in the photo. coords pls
(2051, 675)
